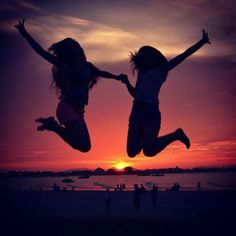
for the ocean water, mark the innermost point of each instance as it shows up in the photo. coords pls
(188, 181)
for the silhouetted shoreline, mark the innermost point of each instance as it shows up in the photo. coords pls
(111, 171)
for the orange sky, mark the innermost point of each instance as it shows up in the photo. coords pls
(198, 96)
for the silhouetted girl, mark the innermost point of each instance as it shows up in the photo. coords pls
(73, 77)
(145, 118)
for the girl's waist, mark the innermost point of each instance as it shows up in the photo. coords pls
(78, 100)
(144, 108)
(145, 104)
(76, 103)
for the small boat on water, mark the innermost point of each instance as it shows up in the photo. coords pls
(156, 174)
(83, 176)
(67, 181)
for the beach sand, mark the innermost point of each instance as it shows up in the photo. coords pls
(85, 213)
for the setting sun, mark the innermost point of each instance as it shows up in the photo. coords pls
(120, 165)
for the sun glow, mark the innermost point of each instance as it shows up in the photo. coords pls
(120, 165)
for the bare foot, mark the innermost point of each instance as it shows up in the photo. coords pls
(47, 123)
(183, 138)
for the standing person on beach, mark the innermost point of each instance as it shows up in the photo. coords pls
(108, 200)
(154, 193)
(145, 118)
(73, 77)
(199, 186)
(137, 198)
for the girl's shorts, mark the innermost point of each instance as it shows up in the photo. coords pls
(67, 112)
(145, 115)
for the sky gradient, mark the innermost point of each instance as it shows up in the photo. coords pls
(199, 95)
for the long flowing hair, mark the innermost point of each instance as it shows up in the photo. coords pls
(137, 59)
(72, 56)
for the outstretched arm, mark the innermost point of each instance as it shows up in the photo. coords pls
(108, 75)
(103, 74)
(130, 88)
(37, 48)
(177, 60)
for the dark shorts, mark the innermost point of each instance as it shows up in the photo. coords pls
(68, 112)
(145, 115)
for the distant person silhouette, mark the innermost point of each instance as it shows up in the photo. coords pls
(143, 189)
(108, 200)
(154, 193)
(117, 187)
(73, 77)
(56, 188)
(199, 186)
(124, 187)
(175, 187)
(145, 118)
(137, 198)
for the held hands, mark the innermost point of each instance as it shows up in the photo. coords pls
(205, 38)
(20, 26)
(123, 78)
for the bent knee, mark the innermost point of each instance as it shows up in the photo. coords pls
(149, 152)
(85, 149)
(82, 148)
(131, 154)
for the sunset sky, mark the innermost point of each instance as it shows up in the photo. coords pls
(199, 95)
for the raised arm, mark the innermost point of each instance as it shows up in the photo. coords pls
(37, 48)
(177, 60)
(129, 86)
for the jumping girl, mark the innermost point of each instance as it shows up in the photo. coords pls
(145, 118)
(73, 77)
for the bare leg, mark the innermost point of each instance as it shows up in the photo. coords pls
(74, 132)
(153, 145)
(134, 141)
